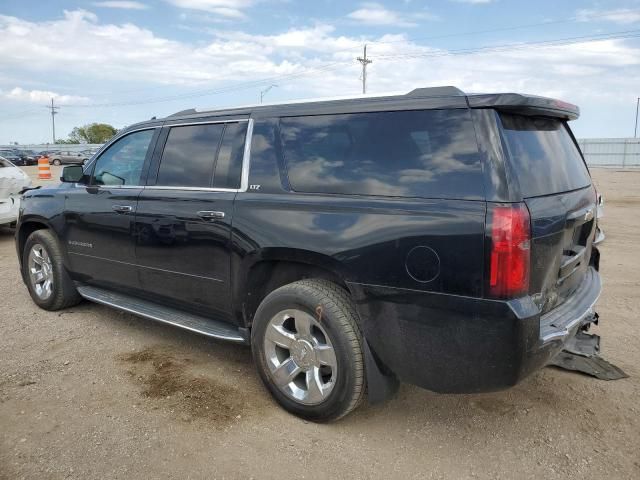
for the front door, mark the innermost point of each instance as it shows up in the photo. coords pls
(184, 217)
(100, 216)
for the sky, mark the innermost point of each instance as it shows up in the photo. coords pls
(124, 61)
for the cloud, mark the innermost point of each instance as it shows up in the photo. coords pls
(43, 97)
(231, 9)
(376, 14)
(308, 61)
(122, 4)
(622, 16)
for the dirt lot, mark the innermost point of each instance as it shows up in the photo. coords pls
(94, 393)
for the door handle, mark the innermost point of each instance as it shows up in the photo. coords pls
(123, 208)
(210, 215)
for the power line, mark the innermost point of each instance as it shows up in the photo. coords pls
(230, 88)
(519, 45)
(573, 19)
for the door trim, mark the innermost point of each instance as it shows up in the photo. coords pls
(148, 268)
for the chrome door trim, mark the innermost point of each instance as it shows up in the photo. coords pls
(192, 189)
(246, 158)
(214, 279)
(246, 162)
(205, 122)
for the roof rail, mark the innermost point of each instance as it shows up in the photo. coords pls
(446, 91)
(436, 92)
(188, 111)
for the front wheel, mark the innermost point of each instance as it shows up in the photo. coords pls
(56, 162)
(308, 349)
(43, 269)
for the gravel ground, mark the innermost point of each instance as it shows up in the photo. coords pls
(93, 393)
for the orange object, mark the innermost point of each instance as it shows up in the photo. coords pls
(44, 170)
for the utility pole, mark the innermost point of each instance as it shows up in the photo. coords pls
(635, 130)
(54, 112)
(364, 61)
(264, 92)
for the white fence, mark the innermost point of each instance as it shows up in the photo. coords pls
(611, 152)
(71, 147)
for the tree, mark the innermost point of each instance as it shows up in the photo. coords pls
(91, 133)
(68, 141)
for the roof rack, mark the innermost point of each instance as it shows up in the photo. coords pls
(446, 91)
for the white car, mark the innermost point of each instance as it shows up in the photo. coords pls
(12, 181)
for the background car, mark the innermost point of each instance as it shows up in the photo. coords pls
(12, 181)
(16, 157)
(69, 158)
(29, 157)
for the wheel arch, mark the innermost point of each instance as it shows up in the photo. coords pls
(273, 268)
(26, 228)
(263, 271)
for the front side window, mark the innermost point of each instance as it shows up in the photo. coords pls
(429, 153)
(121, 164)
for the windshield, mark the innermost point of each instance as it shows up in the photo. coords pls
(543, 155)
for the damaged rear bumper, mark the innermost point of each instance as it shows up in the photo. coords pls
(456, 344)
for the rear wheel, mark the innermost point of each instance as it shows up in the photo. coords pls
(85, 161)
(56, 161)
(308, 349)
(48, 282)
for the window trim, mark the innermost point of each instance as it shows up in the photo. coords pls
(246, 158)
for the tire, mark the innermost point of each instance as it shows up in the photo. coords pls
(56, 161)
(332, 315)
(62, 293)
(85, 161)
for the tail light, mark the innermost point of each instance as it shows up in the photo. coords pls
(509, 250)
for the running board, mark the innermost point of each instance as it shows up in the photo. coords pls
(195, 323)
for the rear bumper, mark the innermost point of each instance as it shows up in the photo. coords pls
(455, 344)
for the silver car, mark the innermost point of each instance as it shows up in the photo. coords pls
(69, 158)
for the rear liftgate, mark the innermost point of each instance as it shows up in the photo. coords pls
(581, 354)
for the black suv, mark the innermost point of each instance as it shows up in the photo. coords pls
(434, 238)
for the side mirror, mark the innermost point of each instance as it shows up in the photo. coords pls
(72, 174)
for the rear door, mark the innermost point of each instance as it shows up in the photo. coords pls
(184, 216)
(556, 186)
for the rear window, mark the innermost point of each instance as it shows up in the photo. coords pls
(431, 153)
(543, 155)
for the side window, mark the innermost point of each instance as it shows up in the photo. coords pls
(189, 156)
(229, 163)
(121, 163)
(430, 153)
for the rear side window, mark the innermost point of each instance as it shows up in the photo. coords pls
(189, 156)
(543, 155)
(431, 153)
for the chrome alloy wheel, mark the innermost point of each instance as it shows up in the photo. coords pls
(300, 357)
(40, 271)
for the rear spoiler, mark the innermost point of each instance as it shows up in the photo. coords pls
(525, 105)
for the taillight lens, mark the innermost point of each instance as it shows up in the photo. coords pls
(510, 248)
